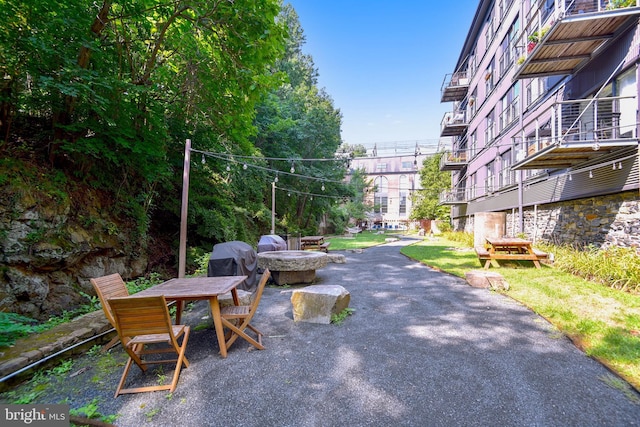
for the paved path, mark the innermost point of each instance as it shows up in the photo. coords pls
(422, 349)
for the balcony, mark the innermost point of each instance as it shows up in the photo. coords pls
(576, 131)
(453, 160)
(561, 37)
(454, 123)
(455, 197)
(455, 87)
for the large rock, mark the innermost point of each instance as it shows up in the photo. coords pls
(316, 304)
(486, 279)
(292, 267)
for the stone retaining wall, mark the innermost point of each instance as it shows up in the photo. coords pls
(612, 220)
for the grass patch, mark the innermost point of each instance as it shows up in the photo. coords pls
(362, 240)
(338, 318)
(603, 321)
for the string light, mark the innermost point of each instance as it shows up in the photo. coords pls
(590, 174)
(228, 168)
(276, 178)
(620, 165)
(293, 169)
(203, 160)
(322, 186)
(245, 166)
(570, 177)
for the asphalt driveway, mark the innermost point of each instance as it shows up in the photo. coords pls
(421, 349)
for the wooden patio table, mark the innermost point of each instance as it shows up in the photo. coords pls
(199, 288)
(312, 242)
(509, 248)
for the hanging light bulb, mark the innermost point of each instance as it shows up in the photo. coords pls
(590, 174)
(245, 166)
(614, 166)
(322, 186)
(228, 168)
(289, 194)
(293, 169)
(203, 160)
(570, 178)
(620, 165)
(276, 178)
(311, 198)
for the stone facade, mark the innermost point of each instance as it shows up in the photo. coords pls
(612, 220)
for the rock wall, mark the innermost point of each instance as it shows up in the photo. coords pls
(612, 220)
(51, 246)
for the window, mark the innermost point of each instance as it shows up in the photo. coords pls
(473, 145)
(473, 103)
(489, 181)
(508, 47)
(404, 189)
(489, 132)
(489, 77)
(380, 197)
(407, 165)
(381, 167)
(506, 175)
(509, 104)
(473, 183)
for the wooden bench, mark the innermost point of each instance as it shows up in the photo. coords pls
(485, 256)
(324, 247)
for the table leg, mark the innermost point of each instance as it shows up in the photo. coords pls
(179, 306)
(217, 323)
(234, 295)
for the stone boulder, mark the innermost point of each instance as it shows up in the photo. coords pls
(486, 279)
(316, 304)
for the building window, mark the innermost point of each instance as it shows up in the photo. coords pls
(381, 167)
(407, 165)
(506, 174)
(473, 145)
(473, 183)
(489, 78)
(510, 106)
(404, 189)
(380, 201)
(489, 132)
(489, 181)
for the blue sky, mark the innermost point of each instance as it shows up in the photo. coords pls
(383, 62)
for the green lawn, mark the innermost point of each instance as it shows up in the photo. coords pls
(602, 321)
(364, 239)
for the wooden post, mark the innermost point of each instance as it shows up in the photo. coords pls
(182, 257)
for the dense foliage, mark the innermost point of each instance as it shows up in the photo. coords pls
(107, 93)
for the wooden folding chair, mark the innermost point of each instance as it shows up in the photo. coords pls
(107, 287)
(141, 321)
(243, 314)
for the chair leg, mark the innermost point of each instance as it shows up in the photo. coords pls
(181, 359)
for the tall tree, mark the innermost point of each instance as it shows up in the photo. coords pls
(433, 181)
(298, 121)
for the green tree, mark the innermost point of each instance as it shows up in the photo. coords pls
(298, 121)
(433, 181)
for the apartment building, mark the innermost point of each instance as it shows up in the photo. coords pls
(544, 120)
(393, 180)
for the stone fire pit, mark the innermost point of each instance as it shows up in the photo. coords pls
(291, 267)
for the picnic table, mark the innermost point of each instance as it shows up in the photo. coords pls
(314, 243)
(508, 248)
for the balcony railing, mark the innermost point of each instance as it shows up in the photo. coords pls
(561, 36)
(454, 160)
(454, 123)
(572, 132)
(455, 197)
(455, 86)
